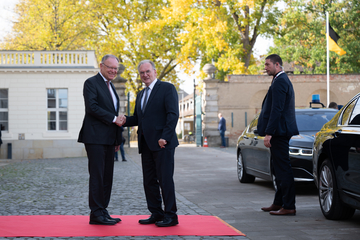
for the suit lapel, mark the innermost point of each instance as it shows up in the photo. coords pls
(105, 89)
(117, 97)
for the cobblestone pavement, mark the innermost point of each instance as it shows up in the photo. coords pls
(60, 187)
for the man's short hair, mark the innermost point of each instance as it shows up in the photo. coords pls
(333, 105)
(146, 61)
(274, 58)
(109, 56)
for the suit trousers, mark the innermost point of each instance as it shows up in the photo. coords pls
(101, 170)
(284, 178)
(222, 135)
(158, 171)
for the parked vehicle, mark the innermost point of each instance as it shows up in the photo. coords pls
(336, 163)
(253, 158)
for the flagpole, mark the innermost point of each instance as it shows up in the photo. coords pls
(327, 61)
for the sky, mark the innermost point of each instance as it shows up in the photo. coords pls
(7, 15)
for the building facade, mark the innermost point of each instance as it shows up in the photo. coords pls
(41, 102)
(239, 98)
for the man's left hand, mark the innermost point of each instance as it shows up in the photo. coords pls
(117, 148)
(162, 142)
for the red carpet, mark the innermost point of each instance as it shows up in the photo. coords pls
(78, 226)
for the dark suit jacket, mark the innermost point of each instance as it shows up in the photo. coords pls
(277, 117)
(222, 124)
(98, 127)
(160, 117)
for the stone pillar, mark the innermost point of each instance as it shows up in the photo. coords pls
(119, 84)
(210, 107)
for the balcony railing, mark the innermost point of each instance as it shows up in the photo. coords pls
(48, 59)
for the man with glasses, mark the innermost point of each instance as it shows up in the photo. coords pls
(102, 137)
(156, 114)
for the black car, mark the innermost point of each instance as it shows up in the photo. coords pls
(253, 158)
(336, 163)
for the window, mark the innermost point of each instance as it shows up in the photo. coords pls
(253, 125)
(347, 112)
(4, 111)
(355, 116)
(57, 103)
(312, 120)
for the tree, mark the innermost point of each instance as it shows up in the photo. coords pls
(50, 25)
(133, 31)
(223, 31)
(168, 32)
(300, 36)
(129, 29)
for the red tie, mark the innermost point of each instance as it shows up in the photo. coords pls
(108, 85)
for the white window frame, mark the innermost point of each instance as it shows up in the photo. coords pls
(6, 126)
(57, 109)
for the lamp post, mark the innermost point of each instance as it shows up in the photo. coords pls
(181, 93)
(194, 101)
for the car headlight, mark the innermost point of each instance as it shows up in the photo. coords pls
(300, 151)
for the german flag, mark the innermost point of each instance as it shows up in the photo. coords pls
(334, 37)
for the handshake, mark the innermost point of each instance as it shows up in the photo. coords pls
(120, 120)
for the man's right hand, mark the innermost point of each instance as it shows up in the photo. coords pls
(120, 120)
(267, 140)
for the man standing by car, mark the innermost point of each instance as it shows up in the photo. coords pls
(222, 129)
(278, 124)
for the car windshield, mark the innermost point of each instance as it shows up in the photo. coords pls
(312, 121)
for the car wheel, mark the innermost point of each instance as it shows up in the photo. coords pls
(242, 175)
(330, 203)
(273, 178)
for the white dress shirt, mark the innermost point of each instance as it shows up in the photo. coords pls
(151, 86)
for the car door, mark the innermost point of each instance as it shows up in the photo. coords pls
(261, 155)
(345, 150)
(247, 146)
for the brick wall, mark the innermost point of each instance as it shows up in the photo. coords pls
(242, 95)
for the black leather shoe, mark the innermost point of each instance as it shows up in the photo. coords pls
(168, 222)
(152, 219)
(101, 220)
(109, 217)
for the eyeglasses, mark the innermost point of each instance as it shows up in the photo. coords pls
(143, 73)
(112, 68)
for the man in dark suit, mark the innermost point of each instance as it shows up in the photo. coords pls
(222, 129)
(156, 114)
(278, 124)
(102, 137)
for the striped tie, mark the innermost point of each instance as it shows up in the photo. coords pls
(145, 99)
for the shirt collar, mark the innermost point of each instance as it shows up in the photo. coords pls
(151, 86)
(103, 77)
(278, 74)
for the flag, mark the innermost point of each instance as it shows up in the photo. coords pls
(333, 46)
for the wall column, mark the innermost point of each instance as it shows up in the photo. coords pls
(120, 87)
(210, 107)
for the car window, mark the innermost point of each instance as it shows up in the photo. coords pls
(312, 121)
(355, 116)
(347, 113)
(253, 125)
